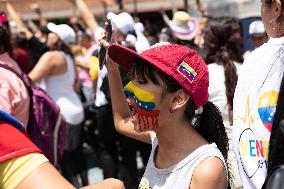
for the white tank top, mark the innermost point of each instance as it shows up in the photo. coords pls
(60, 89)
(177, 176)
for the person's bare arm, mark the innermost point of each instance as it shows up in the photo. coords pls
(46, 176)
(107, 184)
(86, 14)
(42, 20)
(50, 63)
(79, 62)
(16, 18)
(209, 174)
(120, 108)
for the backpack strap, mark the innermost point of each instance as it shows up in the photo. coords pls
(26, 80)
(5, 117)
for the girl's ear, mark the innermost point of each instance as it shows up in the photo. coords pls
(179, 100)
(277, 8)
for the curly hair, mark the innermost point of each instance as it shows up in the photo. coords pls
(222, 43)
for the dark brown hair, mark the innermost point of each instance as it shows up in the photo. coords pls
(222, 42)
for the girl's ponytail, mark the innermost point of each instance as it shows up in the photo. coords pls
(210, 125)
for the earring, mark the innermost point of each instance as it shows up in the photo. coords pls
(270, 22)
(278, 28)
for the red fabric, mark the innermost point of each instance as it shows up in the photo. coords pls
(14, 143)
(168, 58)
(22, 58)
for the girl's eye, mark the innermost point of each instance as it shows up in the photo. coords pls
(141, 81)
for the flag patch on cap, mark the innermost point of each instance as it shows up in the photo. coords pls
(187, 71)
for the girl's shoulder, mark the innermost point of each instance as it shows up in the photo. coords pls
(213, 169)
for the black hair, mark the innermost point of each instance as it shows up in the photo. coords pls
(209, 124)
(222, 44)
(5, 37)
(60, 46)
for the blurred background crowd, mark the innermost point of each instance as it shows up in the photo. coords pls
(94, 150)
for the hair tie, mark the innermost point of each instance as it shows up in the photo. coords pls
(3, 19)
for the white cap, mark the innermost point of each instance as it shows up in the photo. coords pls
(256, 27)
(139, 27)
(65, 33)
(123, 21)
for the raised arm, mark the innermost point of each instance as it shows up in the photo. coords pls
(120, 108)
(86, 14)
(42, 20)
(16, 18)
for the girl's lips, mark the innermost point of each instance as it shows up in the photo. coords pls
(133, 114)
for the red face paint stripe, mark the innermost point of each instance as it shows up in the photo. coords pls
(144, 116)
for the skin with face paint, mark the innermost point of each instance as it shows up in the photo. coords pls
(154, 112)
(144, 111)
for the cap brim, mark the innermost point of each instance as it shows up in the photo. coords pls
(52, 27)
(124, 56)
(127, 58)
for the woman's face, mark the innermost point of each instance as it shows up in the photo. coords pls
(149, 105)
(52, 39)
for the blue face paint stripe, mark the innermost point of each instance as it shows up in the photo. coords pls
(144, 105)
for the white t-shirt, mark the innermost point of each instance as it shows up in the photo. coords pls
(217, 94)
(255, 102)
(177, 176)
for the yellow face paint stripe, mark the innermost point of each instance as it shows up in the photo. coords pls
(141, 94)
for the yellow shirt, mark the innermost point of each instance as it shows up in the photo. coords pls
(14, 171)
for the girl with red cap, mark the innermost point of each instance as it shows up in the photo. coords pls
(168, 84)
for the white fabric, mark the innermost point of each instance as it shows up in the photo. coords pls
(123, 21)
(217, 94)
(64, 32)
(142, 42)
(100, 96)
(254, 105)
(256, 27)
(177, 176)
(60, 89)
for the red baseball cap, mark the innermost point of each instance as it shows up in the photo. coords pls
(181, 63)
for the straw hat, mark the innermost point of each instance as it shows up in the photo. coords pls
(183, 26)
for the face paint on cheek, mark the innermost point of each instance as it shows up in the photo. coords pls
(146, 119)
(144, 99)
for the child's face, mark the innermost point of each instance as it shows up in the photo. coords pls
(147, 104)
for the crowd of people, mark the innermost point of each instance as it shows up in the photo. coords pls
(201, 112)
